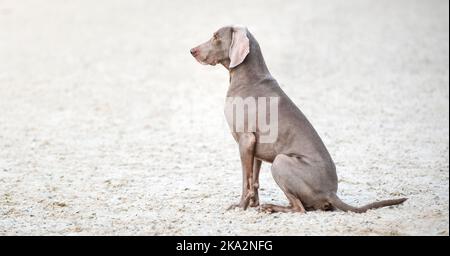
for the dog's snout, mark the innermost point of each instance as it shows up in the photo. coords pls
(193, 51)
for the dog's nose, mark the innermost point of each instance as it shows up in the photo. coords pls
(193, 51)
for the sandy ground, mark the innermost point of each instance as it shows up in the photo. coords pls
(109, 127)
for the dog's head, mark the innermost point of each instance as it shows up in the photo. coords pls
(228, 46)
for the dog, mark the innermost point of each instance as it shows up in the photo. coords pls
(301, 164)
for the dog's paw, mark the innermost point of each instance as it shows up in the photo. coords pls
(242, 205)
(232, 207)
(235, 206)
(267, 208)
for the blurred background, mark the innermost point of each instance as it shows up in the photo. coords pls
(109, 126)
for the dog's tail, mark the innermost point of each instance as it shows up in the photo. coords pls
(338, 203)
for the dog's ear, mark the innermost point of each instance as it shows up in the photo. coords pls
(240, 46)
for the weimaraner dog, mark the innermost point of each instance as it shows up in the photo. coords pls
(301, 164)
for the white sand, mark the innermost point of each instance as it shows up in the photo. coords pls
(109, 126)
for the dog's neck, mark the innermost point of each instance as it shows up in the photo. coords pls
(252, 70)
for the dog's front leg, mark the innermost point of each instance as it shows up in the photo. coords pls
(254, 202)
(247, 143)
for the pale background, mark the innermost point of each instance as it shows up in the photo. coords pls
(109, 126)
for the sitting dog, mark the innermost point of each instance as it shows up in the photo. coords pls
(301, 164)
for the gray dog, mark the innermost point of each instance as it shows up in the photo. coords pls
(301, 164)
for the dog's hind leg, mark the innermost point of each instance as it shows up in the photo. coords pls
(295, 205)
(280, 170)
